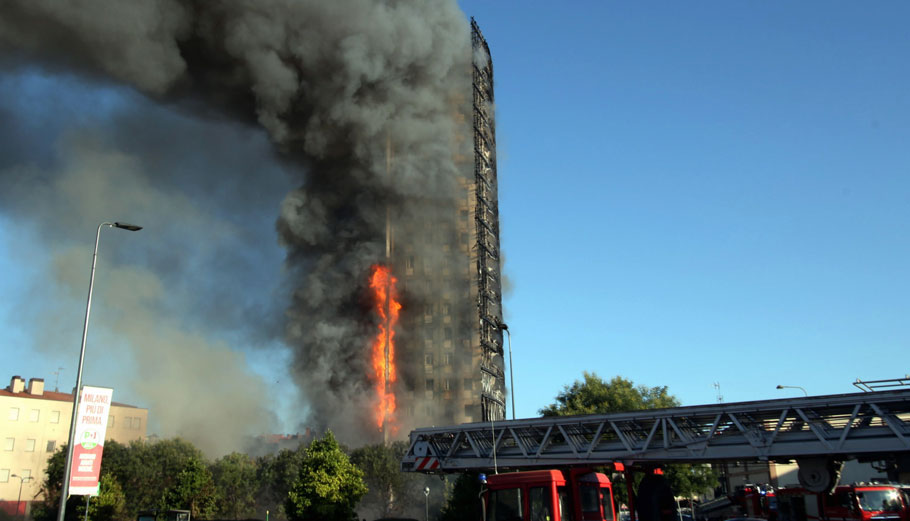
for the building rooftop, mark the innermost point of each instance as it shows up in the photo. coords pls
(35, 391)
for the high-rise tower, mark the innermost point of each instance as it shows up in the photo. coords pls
(452, 368)
(488, 286)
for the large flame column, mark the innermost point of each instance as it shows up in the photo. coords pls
(382, 283)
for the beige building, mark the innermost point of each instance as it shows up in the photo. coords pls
(34, 423)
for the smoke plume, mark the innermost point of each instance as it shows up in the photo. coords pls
(336, 86)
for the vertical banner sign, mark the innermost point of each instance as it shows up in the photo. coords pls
(91, 425)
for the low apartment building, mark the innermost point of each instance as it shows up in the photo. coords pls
(34, 423)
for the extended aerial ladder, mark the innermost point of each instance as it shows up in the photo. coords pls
(819, 432)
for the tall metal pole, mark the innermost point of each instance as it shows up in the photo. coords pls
(19, 499)
(511, 375)
(64, 491)
(505, 329)
(793, 387)
(426, 494)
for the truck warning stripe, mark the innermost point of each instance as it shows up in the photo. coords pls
(428, 463)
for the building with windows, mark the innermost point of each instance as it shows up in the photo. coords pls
(449, 269)
(34, 423)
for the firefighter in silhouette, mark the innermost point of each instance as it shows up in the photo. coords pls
(655, 501)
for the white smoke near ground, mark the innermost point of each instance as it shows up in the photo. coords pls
(333, 84)
(149, 336)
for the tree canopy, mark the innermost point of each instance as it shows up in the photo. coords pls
(174, 474)
(234, 478)
(393, 493)
(593, 395)
(328, 487)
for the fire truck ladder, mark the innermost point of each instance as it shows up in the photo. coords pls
(813, 430)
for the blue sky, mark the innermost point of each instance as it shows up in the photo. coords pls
(703, 192)
(690, 193)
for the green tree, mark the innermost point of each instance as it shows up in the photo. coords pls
(464, 500)
(596, 396)
(328, 486)
(692, 480)
(46, 510)
(275, 475)
(391, 492)
(193, 490)
(149, 471)
(109, 504)
(235, 481)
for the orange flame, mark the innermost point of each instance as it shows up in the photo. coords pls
(382, 282)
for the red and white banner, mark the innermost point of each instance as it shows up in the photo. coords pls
(91, 426)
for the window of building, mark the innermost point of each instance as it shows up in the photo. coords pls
(26, 474)
(136, 424)
(110, 421)
(4, 475)
(446, 308)
(55, 416)
(429, 386)
(33, 415)
(13, 414)
(126, 422)
(447, 384)
(468, 384)
(449, 358)
(9, 444)
(428, 358)
(29, 445)
(51, 446)
(448, 333)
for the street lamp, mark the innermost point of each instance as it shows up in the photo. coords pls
(88, 308)
(426, 494)
(505, 329)
(21, 481)
(793, 387)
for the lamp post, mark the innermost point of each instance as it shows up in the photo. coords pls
(19, 499)
(505, 329)
(88, 308)
(793, 387)
(426, 494)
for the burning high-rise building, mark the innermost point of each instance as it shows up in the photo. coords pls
(451, 332)
(381, 115)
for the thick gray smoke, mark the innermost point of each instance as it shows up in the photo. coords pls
(335, 84)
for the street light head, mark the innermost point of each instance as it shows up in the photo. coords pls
(503, 326)
(780, 386)
(127, 226)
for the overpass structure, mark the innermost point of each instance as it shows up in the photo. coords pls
(817, 431)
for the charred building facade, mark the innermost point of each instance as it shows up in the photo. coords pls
(488, 287)
(451, 341)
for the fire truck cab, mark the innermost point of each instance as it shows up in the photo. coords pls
(547, 495)
(858, 502)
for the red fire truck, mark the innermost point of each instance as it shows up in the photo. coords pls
(819, 432)
(858, 502)
(548, 495)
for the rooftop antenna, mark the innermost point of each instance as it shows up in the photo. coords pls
(720, 397)
(57, 379)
